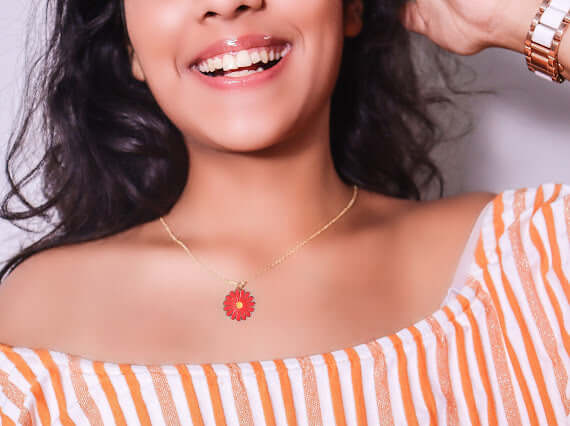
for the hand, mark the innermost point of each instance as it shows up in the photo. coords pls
(469, 26)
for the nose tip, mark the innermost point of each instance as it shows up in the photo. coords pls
(231, 8)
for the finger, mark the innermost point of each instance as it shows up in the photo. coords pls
(411, 17)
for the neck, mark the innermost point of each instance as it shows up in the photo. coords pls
(286, 191)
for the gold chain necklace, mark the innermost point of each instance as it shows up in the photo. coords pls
(239, 304)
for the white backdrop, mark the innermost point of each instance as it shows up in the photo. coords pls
(12, 37)
(521, 135)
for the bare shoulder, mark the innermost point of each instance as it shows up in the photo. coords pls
(30, 298)
(426, 228)
(438, 231)
(46, 296)
(426, 241)
(458, 212)
(417, 246)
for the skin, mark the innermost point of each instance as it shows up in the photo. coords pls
(137, 298)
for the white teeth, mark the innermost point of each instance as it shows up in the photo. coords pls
(264, 56)
(218, 63)
(255, 58)
(229, 62)
(243, 73)
(243, 59)
(211, 65)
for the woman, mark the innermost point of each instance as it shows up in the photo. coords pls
(189, 141)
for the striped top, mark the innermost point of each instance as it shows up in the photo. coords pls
(497, 352)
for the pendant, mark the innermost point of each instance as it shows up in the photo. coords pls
(239, 304)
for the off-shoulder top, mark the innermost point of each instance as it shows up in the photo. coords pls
(496, 352)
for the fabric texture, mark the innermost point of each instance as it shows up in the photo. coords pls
(496, 353)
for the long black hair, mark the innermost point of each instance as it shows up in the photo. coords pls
(110, 159)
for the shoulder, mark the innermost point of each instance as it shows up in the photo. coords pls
(437, 233)
(446, 223)
(458, 212)
(425, 239)
(533, 214)
(46, 297)
(33, 296)
(414, 224)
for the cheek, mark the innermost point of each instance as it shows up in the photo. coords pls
(154, 29)
(320, 23)
(321, 29)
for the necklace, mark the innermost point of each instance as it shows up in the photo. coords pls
(239, 304)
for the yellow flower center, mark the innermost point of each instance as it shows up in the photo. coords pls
(239, 305)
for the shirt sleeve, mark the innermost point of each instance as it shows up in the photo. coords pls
(522, 261)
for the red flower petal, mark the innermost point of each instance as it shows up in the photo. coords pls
(231, 304)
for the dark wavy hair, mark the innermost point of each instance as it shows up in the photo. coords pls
(110, 159)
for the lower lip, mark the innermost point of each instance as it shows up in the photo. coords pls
(248, 81)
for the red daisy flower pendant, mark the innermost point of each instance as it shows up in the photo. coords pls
(239, 304)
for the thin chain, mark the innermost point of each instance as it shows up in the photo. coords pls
(276, 262)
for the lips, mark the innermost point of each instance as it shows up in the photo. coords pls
(242, 63)
(235, 45)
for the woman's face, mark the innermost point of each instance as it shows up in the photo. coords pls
(214, 66)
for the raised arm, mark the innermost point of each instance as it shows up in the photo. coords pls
(467, 27)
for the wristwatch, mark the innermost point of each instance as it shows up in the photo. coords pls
(544, 37)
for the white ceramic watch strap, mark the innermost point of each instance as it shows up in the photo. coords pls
(550, 22)
(548, 25)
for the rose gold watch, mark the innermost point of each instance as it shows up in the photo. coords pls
(544, 37)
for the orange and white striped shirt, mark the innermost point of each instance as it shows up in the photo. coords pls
(496, 352)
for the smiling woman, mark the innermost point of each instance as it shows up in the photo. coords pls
(99, 113)
(240, 130)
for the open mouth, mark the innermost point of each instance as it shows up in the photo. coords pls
(244, 62)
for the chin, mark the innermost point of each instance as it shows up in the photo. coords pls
(245, 135)
(246, 142)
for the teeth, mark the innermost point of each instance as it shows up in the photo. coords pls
(264, 56)
(211, 65)
(241, 59)
(243, 73)
(255, 58)
(218, 63)
(229, 62)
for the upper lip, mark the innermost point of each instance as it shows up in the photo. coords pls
(236, 44)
